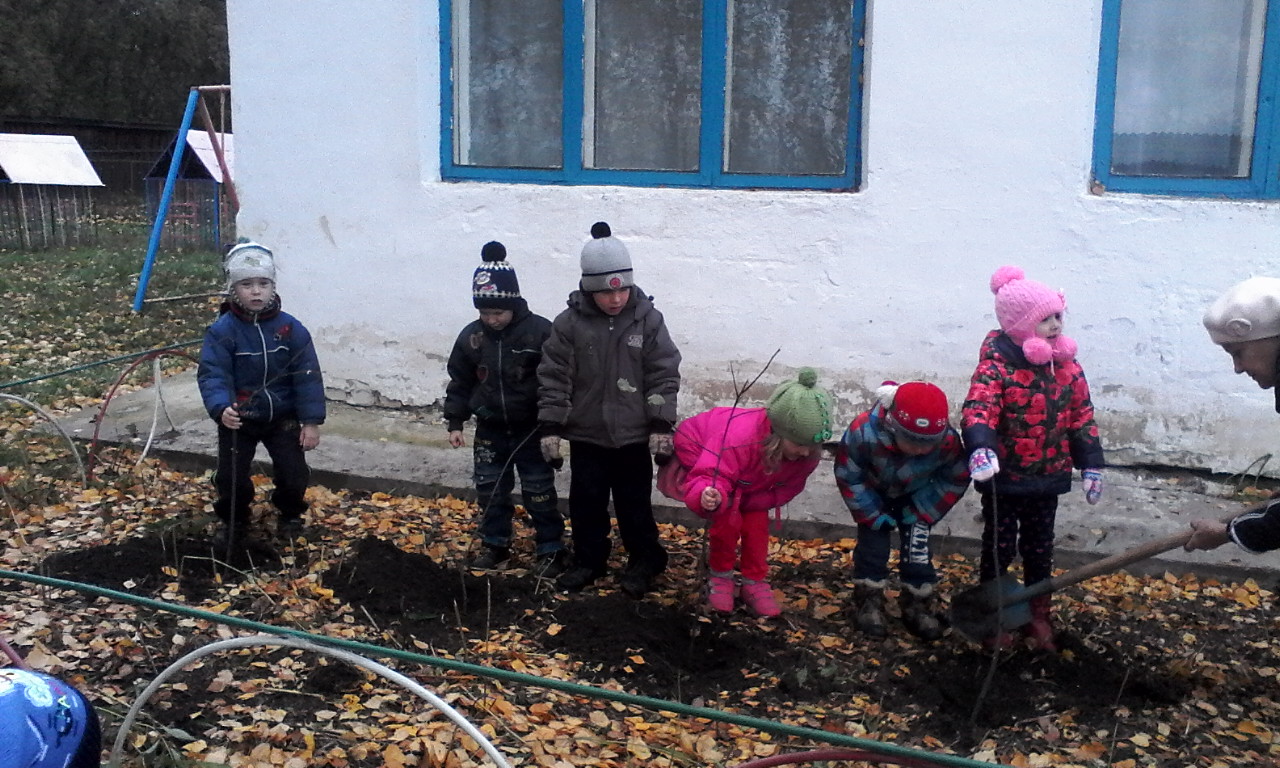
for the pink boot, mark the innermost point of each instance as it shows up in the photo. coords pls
(758, 596)
(720, 592)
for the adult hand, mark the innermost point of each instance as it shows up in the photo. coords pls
(551, 451)
(456, 439)
(1207, 534)
(1092, 481)
(661, 446)
(710, 499)
(983, 465)
(230, 417)
(309, 436)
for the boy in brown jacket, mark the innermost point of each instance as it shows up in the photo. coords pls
(608, 383)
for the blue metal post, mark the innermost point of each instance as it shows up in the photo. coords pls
(163, 209)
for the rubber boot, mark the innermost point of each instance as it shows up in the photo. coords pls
(758, 596)
(721, 590)
(1039, 631)
(868, 597)
(920, 611)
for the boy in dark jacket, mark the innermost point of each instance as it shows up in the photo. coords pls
(493, 375)
(608, 383)
(261, 383)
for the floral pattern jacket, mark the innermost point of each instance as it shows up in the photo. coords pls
(1037, 418)
(875, 477)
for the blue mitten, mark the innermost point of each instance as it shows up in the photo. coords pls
(884, 522)
(909, 516)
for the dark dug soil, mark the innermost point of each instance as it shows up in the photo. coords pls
(1121, 668)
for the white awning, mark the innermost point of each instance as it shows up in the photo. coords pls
(199, 143)
(45, 159)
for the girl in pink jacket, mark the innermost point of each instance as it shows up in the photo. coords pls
(732, 465)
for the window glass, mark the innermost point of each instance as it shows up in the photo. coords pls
(644, 82)
(1187, 87)
(698, 93)
(787, 97)
(508, 83)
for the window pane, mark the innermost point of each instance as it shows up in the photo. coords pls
(507, 83)
(1187, 87)
(787, 101)
(644, 80)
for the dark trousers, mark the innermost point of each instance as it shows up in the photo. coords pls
(1018, 525)
(498, 454)
(627, 474)
(915, 559)
(233, 480)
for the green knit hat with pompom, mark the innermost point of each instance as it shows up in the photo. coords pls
(800, 411)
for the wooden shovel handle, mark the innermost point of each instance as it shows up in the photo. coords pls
(1118, 560)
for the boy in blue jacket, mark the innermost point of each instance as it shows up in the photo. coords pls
(260, 380)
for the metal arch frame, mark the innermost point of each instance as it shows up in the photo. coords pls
(291, 642)
(111, 393)
(84, 477)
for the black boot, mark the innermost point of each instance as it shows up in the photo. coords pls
(868, 597)
(578, 578)
(920, 611)
(637, 578)
(229, 537)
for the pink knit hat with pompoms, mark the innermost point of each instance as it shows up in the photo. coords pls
(1021, 305)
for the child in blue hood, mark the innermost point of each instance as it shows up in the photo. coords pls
(45, 723)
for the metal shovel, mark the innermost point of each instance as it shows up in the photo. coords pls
(1001, 605)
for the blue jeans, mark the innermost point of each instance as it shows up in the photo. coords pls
(498, 454)
(915, 559)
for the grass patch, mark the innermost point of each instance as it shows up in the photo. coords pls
(67, 308)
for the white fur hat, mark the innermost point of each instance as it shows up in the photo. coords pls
(1248, 311)
(248, 260)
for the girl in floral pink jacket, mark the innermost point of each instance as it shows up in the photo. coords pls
(1027, 422)
(732, 465)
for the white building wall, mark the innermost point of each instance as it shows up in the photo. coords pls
(977, 146)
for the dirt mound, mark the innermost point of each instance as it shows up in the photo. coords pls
(139, 565)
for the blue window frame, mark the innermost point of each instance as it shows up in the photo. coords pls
(1186, 98)
(681, 93)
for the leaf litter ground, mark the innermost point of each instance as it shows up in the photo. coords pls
(1152, 671)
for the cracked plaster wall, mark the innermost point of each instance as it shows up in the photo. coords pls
(977, 146)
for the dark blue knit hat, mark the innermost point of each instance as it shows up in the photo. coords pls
(494, 285)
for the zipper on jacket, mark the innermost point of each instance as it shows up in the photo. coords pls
(271, 407)
(502, 391)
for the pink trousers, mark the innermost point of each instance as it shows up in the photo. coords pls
(751, 529)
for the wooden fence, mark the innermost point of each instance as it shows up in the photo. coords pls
(40, 216)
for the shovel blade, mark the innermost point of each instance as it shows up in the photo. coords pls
(990, 608)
